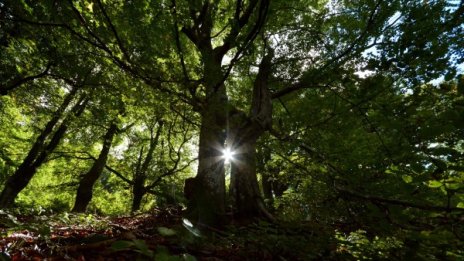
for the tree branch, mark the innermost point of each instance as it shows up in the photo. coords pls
(377, 199)
(113, 29)
(18, 82)
(337, 60)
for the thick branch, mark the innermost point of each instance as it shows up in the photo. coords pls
(113, 30)
(253, 33)
(238, 23)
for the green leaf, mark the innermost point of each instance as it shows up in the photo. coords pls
(90, 7)
(142, 247)
(407, 178)
(164, 231)
(435, 184)
(121, 245)
(163, 256)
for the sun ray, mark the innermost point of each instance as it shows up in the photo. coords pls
(228, 155)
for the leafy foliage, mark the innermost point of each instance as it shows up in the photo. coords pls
(363, 161)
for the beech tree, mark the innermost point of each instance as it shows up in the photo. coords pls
(238, 63)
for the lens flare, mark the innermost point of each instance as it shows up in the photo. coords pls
(228, 155)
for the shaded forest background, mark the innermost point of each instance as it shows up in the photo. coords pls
(344, 121)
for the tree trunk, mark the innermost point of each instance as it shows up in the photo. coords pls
(206, 194)
(85, 189)
(245, 131)
(138, 191)
(39, 152)
(267, 190)
(266, 182)
(138, 188)
(247, 197)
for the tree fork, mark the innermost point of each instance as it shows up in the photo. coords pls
(138, 187)
(245, 131)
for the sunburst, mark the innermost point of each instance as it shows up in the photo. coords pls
(228, 155)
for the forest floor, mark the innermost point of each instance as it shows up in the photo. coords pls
(158, 235)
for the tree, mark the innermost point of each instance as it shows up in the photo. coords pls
(306, 48)
(167, 156)
(84, 191)
(45, 143)
(141, 169)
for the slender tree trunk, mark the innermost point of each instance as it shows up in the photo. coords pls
(267, 189)
(85, 189)
(138, 188)
(138, 191)
(39, 151)
(138, 184)
(266, 183)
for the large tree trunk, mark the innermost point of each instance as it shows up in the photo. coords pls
(245, 131)
(206, 192)
(246, 198)
(208, 200)
(85, 189)
(39, 151)
(248, 203)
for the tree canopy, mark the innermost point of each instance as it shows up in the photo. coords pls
(344, 117)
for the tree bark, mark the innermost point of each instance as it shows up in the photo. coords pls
(20, 80)
(138, 191)
(266, 182)
(245, 131)
(206, 203)
(246, 198)
(85, 189)
(207, 196)
(206, 192)
(245, 191)
(39, 151)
